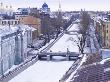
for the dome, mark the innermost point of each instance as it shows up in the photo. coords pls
(44, 5)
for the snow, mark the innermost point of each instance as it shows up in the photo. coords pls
(75, 27)
(37, 51)
(5, 30)
(105, 53)
(58, 57)
(67, 42)
(107, 69)
(80, 64)
(43, 72)
(48, 71)
(104, 60)
(13, 67)
(94, 45)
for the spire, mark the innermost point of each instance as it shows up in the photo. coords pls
(59, 6)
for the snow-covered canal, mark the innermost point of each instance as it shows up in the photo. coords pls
(41, 71)
(51, 71)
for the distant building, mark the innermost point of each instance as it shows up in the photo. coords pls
(9, 22)
(13, 45)
(45, 19)
(45, 9)
(5, 11)
(103, 32)
(107, 35)
(21, 12)
(34, 22)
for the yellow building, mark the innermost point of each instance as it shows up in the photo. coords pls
(100, 30)
(103, 31)
(107, 38)
(34, 22)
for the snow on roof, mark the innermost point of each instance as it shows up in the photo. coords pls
(104, 60)
(5, 29)
(105, 53)
(78, 20)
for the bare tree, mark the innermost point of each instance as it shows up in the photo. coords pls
(34, 12)
(84, 29)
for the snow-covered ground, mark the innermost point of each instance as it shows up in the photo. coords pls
(75, 27)
(94, 45)
(67, 42)
(41, 71)
(37, 51)
(48, 71)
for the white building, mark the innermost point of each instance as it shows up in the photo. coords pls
(21, 12)
(13, 45)
(4, 9)
(9, 22)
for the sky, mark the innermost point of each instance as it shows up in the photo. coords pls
(66, 5)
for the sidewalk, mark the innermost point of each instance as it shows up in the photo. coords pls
(92, 45)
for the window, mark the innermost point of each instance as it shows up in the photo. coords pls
(107, 31)
(12, 22)
(15, 22)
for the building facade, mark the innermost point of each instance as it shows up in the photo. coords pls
(9, 22)
(103, 32)
(107, 34)
(34, 22)
(13, 45)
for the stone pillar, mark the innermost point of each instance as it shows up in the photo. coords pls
(1, 59)
(67, 57)
(17, 50)
(2, 72)
(48, 57)
(22, 49)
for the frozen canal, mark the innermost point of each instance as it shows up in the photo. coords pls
(41, 71)
(51, 71)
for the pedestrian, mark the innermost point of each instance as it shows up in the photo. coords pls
(9, 72)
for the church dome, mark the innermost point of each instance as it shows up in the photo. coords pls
(44, 5)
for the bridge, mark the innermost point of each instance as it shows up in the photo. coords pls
(72, 32)
(67, 55)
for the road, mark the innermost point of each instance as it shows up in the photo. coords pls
(92, 40)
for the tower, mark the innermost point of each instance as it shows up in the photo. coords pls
(1, 8)
(45, 9)
(59, 10)
(59, 16)
(45, 20)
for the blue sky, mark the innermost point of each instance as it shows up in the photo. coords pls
(66, 4)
